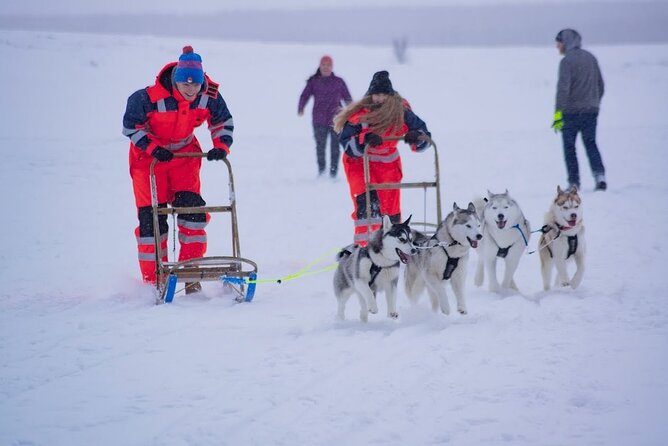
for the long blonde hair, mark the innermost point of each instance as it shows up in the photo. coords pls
(389, 115)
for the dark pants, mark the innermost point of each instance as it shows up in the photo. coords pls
(320, 132)
(584, 123)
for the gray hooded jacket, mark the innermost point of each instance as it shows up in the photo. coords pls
(580, 85)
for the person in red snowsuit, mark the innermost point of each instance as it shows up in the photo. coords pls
(362, 126)
(160, 120)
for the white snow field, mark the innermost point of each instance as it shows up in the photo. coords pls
(87, 358)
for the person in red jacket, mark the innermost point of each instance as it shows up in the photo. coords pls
(160, 120)
(362, 127)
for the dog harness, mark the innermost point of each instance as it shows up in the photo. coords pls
(503, 252)
(452, 263)
(572, 241)
(375, 269)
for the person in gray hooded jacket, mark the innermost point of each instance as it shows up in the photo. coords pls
(579, 91)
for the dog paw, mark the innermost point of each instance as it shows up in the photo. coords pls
(393, 315)
(364, 317)
(373, 310)
(461, 311)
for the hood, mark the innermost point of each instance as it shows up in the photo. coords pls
(570, 38)
(164, 77)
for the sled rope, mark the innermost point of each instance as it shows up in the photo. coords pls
(437, 245)
(543, 230)
(305, 271)
(526, 242)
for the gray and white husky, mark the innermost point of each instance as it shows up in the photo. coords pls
(563, 239)
(506, 234)
(366, 270)
(443, 258)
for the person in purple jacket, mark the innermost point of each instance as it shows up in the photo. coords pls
(329, 93)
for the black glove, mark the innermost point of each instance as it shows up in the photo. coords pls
(372, 139)
(216, 154)
(162, 154)
(412, 137)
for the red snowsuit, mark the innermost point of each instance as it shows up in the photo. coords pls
(384, 167)
(160, 116)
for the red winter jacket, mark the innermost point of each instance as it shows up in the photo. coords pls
(159, 116)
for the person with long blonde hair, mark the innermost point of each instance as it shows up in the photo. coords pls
(366, 126)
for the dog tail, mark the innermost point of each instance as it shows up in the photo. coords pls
(413, 283)
(345, 252)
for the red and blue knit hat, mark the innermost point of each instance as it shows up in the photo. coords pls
(189, 68)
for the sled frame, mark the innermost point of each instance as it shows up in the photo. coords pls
(436, 184)
(201, 269)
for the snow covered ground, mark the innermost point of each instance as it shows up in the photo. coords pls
(87, 358)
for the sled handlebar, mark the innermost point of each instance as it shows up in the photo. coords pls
(369, 186)
(401, 138)
(192, 155)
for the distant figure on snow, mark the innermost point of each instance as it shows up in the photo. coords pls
(160, 120)
(329, 94)
(579, 92)
(362, 126)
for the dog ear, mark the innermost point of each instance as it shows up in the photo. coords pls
(408, 220)
(387, 223)
(454, 206)
(559, 191)
(471, 207)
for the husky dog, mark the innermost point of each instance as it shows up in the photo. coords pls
(563, 239)
(367, 270)
(505, 234)
(444, 257)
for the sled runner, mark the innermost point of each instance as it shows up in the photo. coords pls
(201, 269)
(426, 227)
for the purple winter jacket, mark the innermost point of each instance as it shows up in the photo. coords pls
(329, 94)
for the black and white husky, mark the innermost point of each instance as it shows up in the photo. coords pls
(443, 258)
(505, 235)
(563, 239)
(366, 270)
